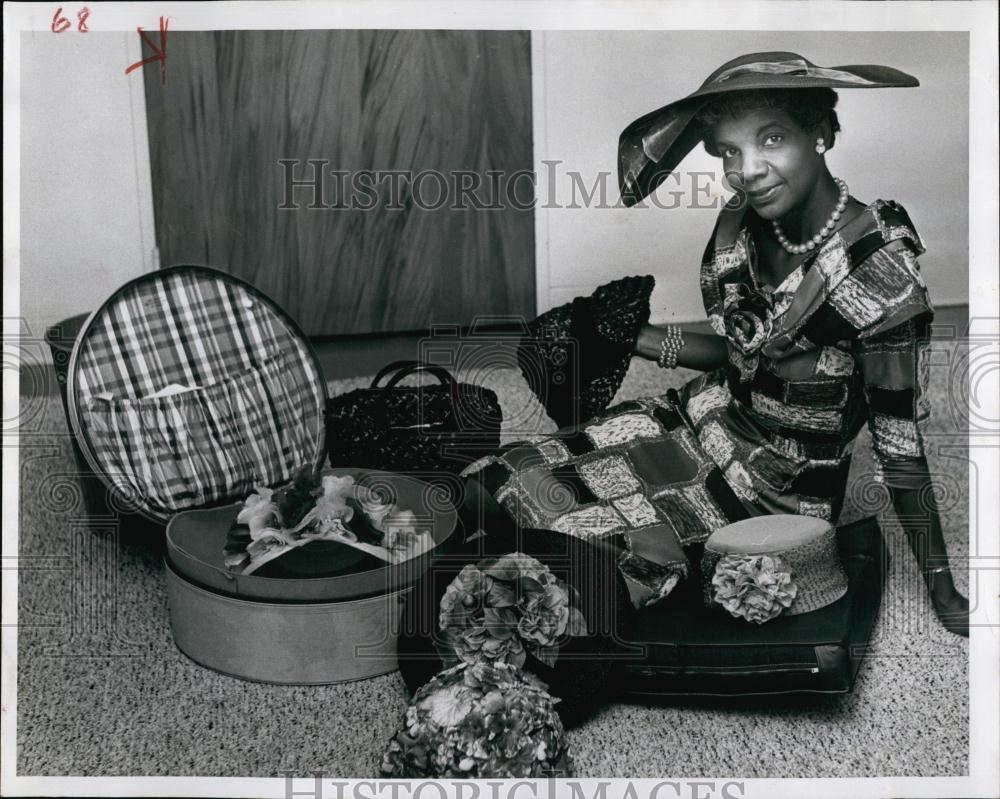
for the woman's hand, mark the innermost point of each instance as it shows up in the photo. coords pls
(701, 351)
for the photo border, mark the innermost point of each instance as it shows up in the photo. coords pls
(978, 18)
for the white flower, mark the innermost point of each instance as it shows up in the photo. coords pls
(338, 486)
(331, 506)
(259, 513)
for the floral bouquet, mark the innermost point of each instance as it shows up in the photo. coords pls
(479, 720)
(754, 587)
(502, 608)
(327, 508)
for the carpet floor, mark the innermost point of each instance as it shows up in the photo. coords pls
(102, 690)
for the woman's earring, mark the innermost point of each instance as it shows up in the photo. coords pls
(820, 146)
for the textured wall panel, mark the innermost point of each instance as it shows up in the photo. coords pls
(235, 103)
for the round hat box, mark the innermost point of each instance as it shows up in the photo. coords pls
(338, 624)
(186, 389)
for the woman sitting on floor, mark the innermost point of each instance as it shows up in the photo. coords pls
(812, 340)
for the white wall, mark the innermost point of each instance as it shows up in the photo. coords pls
(86, 203)
(910, 145)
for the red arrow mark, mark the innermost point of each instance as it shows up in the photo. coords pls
(159, 53)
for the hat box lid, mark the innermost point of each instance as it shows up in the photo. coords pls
(321, 571)
(188, 386)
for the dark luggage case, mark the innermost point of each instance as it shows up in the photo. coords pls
(688, 649)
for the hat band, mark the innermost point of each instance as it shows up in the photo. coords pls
(795, 67)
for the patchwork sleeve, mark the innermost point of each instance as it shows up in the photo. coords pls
(894, 366)
(883, 291)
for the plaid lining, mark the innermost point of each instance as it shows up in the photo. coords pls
(185, 328)
(251, 412)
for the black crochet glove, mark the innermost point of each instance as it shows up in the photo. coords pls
(620, 308)
(576, 356)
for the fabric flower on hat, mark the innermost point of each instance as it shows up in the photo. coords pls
(263, 519)
(332, 502)
(756, 588)
(480, 720)
(478, 620)
(503, 608)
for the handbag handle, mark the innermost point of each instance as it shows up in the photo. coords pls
(406, 368)
(479, 325)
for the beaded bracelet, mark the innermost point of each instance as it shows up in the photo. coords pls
(670, 347)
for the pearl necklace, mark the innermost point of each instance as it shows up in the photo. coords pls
(826, 230)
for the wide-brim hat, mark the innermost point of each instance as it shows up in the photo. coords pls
(580, 676)
(650, 148)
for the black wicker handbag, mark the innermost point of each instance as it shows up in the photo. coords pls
(413, 429)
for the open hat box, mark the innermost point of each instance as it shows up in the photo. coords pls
(186, 389)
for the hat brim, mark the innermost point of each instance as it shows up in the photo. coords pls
(652, 146)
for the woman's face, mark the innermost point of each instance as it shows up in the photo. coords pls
(768, 158)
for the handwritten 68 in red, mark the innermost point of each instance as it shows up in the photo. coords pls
(61, 23)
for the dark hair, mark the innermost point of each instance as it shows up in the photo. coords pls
(808, 107)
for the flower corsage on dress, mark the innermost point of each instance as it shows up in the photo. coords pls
(749, 320)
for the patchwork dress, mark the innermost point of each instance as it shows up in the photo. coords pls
(838, 344)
